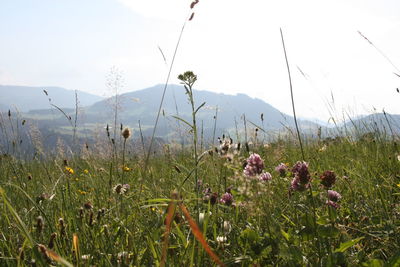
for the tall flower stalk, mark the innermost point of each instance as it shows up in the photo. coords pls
(188, 79)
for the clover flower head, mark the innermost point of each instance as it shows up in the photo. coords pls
(227, 199)
(254, 166)
(265, 176)
(334, 196)
(282, 169)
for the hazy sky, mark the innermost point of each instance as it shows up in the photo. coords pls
(233, 46)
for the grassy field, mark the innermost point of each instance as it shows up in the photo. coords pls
(235, 208)
(329, 202)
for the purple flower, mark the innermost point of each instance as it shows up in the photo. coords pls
(334, 196)
(254, 165)
(265, 176)
(296, 185)
(281, 168)
(332, 204)
(227, 199)
(300, 171)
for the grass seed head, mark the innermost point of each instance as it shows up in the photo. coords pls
(126, 133)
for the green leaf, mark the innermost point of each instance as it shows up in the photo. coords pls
(346, 245)
(373, 263)
(21, 225)
(202, 105)
(394, 261)
(182, 120)
(285, 235)
(328, 231)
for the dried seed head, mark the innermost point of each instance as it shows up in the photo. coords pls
(328, 179)
(91, 221)
(62, 226)
(126, 133)
(80, 212)
(52, 238)
(39, 224)
(88, 205)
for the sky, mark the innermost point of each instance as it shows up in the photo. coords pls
(233, 46)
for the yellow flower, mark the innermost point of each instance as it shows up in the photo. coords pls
(69, 170)
(398, 185)
(82, 192)
(126, 169)
(85, 171)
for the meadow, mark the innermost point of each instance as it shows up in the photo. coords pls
(295, 200)
(328, 202)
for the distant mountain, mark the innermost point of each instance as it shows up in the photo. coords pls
(143, 105)
(26, 98)
(378, 122)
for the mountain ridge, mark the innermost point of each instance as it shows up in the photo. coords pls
(26, 98)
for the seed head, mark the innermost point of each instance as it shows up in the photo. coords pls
(126, 133)
(88, 205)
(39, 224)
(328, 179)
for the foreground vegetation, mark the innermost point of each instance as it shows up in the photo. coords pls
(91, 210)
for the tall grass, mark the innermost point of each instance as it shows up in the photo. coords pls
(266, 224)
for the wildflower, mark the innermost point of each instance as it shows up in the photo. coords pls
(323, 148)
(69, 170)
(296, 185)
(281, 168)
(121, 188)
(224, 145)
(82, 192)
(126, 133)
(254, 165)
(86, 257)
(334, 196)
(126, 169)
(227, 199)
(221, 239)
(328, 179)
(85, 171)
(300, 170)
(265, 176)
